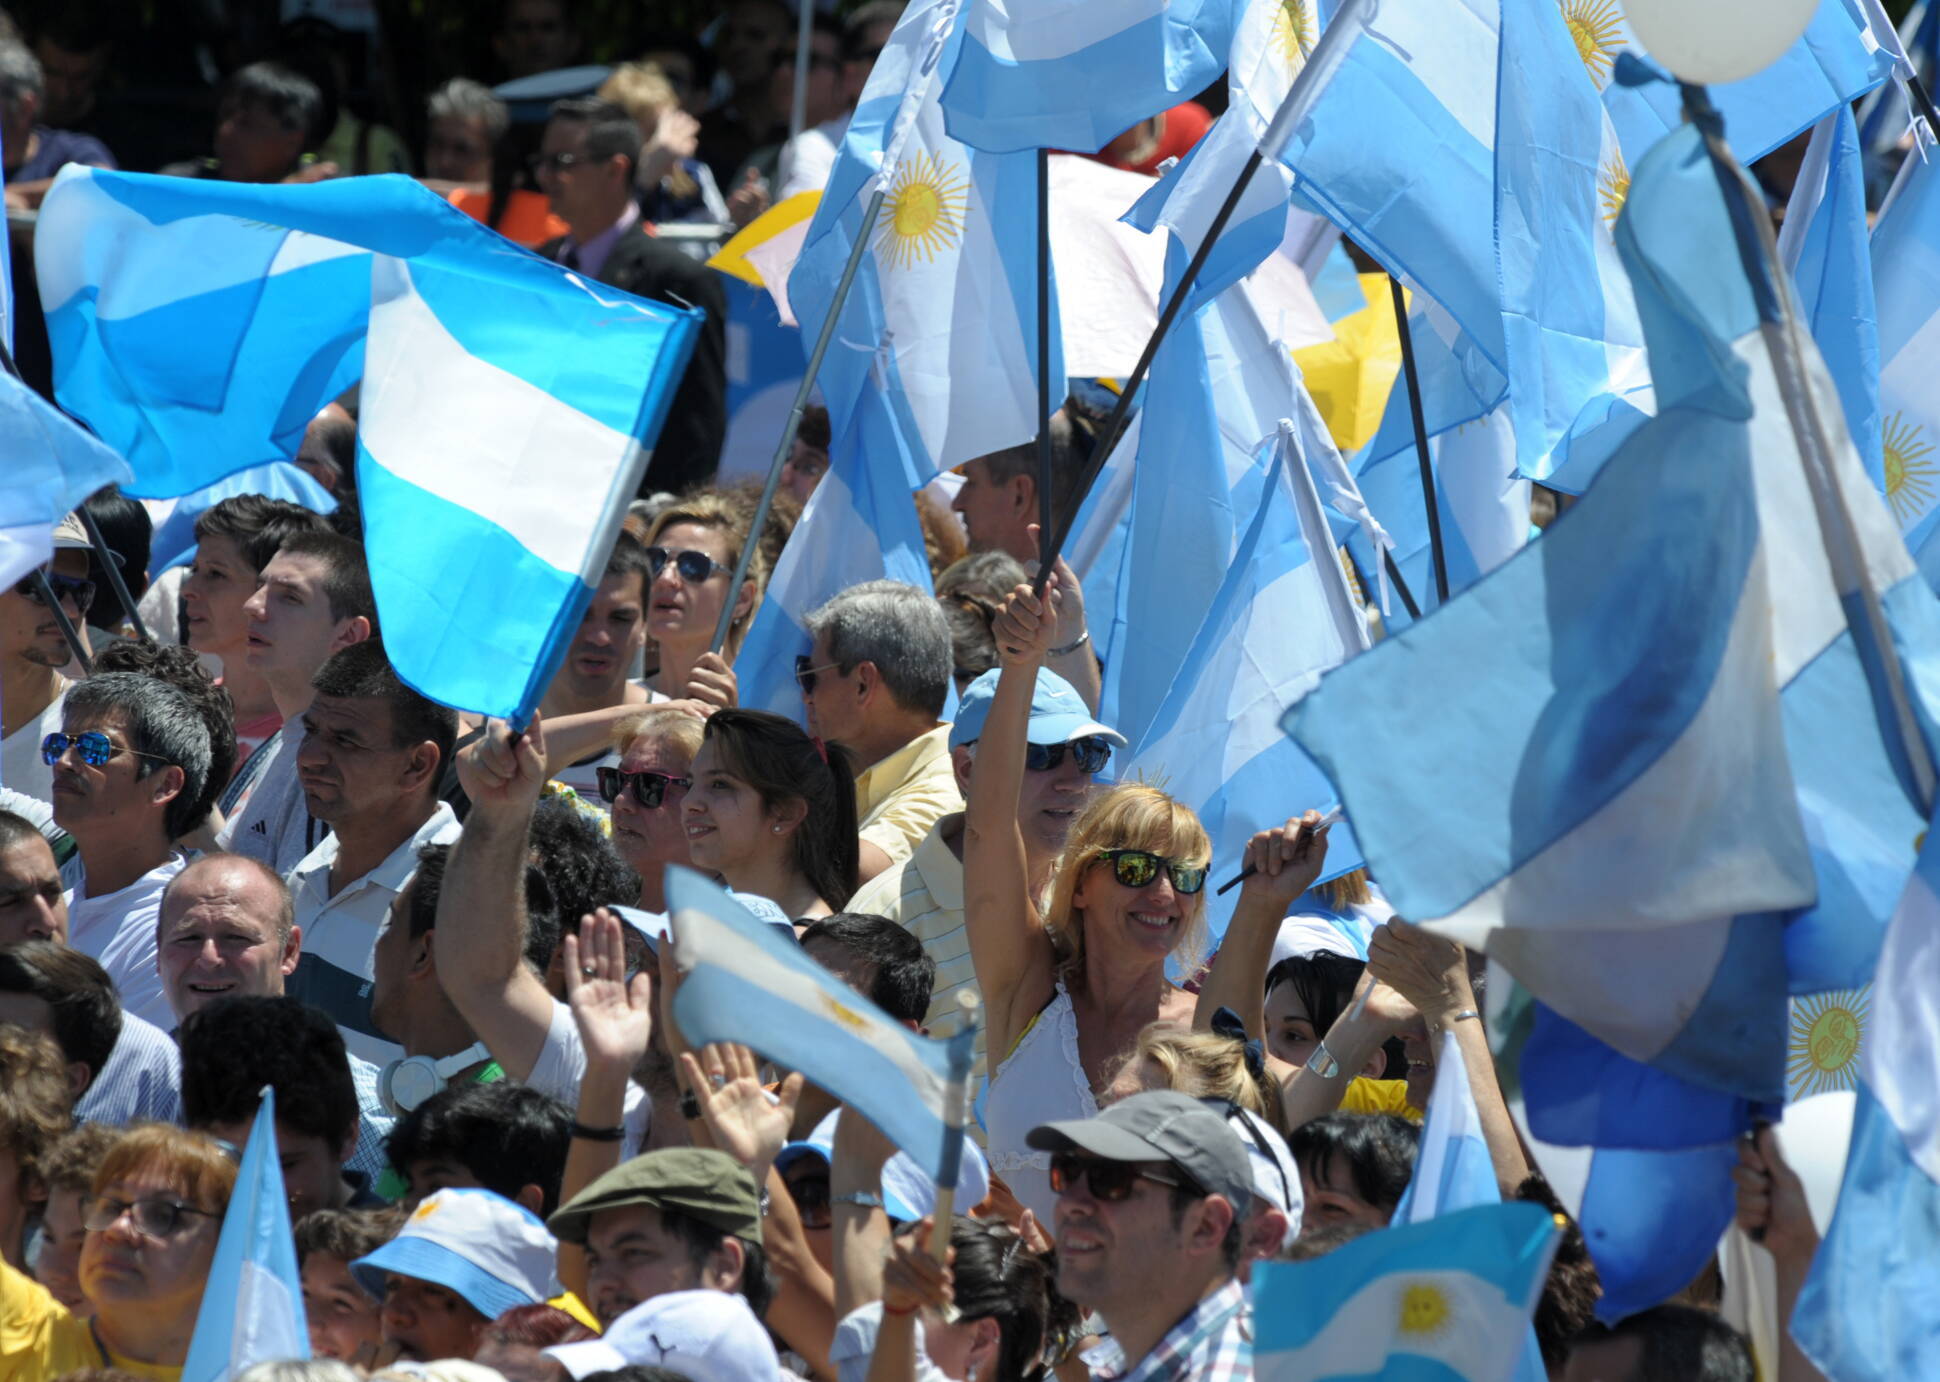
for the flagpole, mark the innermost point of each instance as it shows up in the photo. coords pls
(68, 631)
(798, 106)
(787, 444)
(1327, 55)
(1043, 360)
(1421, 439)
(956, 1101)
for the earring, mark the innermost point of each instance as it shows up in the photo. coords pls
(777, 830)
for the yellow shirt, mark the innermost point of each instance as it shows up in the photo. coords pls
(898, 799)
(1379, 1096)
(40, 1340)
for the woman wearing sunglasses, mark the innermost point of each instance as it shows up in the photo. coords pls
(773, 813)
(152, 1224)
(1070, 981)
(656, 745)
(691, 549)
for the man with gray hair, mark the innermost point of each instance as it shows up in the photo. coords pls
(467, 122)
(33, 153)
(876, 684)
(130, 761)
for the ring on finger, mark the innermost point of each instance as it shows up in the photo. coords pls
(717, 1080)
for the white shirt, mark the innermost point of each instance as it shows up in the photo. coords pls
(562, 1062)
(272, 825)
(340, 932)
(20, 765)
(118, 929)
(807, 160)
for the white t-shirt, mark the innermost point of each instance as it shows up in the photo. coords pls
(807, 160)
(273, 825)
(562, 1062)
(20, 765)
(118, 929)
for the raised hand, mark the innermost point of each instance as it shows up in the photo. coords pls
(712, 684)
(1430, 971)
(911, 1278)
(1026, 628)
(501, 773)
(614, 1016)
(747, 1122)
(1285, 861)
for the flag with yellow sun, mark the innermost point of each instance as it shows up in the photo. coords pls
(942, 317)
(1906, 281)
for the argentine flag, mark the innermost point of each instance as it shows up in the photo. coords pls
(942, 318)
(252, 1305)
(1450, 1298)
(52, 466)
(1906, 279)
(741, 982)
(508, 405)
(1075, 74)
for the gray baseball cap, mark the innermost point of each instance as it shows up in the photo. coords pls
(1160, 1125)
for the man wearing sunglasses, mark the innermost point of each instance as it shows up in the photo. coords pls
(1068, 749)
(1151, 1195)
(32, 652)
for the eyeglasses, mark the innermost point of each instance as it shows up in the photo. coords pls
(96, 748)
(156, 1217)
(1092, 752)
(811, 1197)
(805, 671)
(558, 163)
(64, 588)
(694, 567)
(648, 789)
(1109, 1181)
(1136, 868)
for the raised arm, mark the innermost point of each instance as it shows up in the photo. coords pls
(1356, 1035)
(1008, 946)
(481, 909)
(1285, 863)
(1773, 1208)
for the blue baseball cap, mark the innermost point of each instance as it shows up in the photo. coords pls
(493, 1254)
(1058, 712)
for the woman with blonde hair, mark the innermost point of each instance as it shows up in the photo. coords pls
(1220, 1064)
(692, 546)
(1069, 987)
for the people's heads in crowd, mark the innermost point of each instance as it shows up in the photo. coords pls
(1132, 879)
(677, 1219)
(700, 1336)
(235, 539)
(753, 38)
(1008, 1306)
(511, 1343)
(686, 63)
(1205, 1065)
(181, 668)
(226, 927)
(344, 1319)
(879, 672)
(535, 36)
(328, 451)
(826, 92)
(1353, 1167)
(943, 542)
(152, 1223)
(1151, 1196)
(1659, 1344)
(233, 1047)
(502, 1137)
(22, 91)
(642, 90)
(29, 631)
(768, 801)
(648, 788)
(67, 1168)
(865, 33)
(579, 870)
(372, 747)
(879, 959)
(127, 531)
(691, 548)
(314, 599)
(971, 593)
(131, 761)
(466, 123)
(611, 632)
(1305, 996)
(1068, 749)
(268, 117)
(33, 900)
(45, 987)
(1272, 1220)
(462, 1259)
(1571, 1288)
(998, 500)
(808, 456)
(407, 1003)
(35, 1105)
(585, 163)
(73, 47)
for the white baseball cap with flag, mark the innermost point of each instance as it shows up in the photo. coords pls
(706, 1336)
(493, 1254)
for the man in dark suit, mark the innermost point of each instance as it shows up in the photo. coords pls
(585, 168)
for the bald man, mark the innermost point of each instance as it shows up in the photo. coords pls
(226, 927)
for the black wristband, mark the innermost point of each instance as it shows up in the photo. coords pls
(613, 1134)
(690, 1107)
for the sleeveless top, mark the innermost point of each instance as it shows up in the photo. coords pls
(1042, 1080)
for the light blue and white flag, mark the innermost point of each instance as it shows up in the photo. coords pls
(1451, 1298)
(52, 466)
(1906, 281)
(252, 1306)
(859, 525)
(1452, 1168)
(742, 982)
(1075, 74)
(508, 405)
(947, 288)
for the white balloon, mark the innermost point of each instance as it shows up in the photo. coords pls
(1712, 41)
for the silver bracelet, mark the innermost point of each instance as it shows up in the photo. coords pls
(1465, 1015)
(1073, 645)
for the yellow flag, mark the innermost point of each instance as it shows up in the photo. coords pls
(1351, 376)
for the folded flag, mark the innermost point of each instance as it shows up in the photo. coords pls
(1448, 1298)
(252, 1306)
(742, 982)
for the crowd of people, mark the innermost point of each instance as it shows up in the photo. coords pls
(238, 852)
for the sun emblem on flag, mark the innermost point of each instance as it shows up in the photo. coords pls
(1425, 1310)
(1598, 34)
(1909, 472)
(922, 214)
(1613, 186)
(846, 1015)
(1822, 1054)
(1293, 32)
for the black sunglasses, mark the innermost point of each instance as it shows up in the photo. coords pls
(694, 567)
(1136, 868)
(805, 670)
(558, 162)
(648, 789)
(96, 748)
(1109, 1181)
(64, 587)
(1092, 752)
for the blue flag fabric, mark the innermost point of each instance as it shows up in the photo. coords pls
(252, 1306)
(52, 466)
(1906, 280)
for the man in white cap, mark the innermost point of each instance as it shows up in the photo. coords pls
(462, 1259)
(705, 1336)
(1068, 749)
(32, 652)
